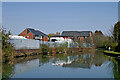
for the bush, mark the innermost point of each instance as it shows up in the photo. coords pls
(7, 48)
(107, 44)
(44, 49)
(66, 44)
(50, 51)
(113, 45)
(61, 48)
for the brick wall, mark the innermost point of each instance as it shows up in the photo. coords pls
(24, 33)
(30, 35)
(90, 35)
(45, 38)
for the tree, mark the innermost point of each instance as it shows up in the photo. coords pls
(9, 32)
(116, 33)
(49, 35)
(7, 47)
(98, 40)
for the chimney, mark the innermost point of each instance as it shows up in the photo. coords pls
(56, 33)
(59, 33)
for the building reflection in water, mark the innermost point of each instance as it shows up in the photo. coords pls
(83, 60)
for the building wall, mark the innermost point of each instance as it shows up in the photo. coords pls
(90, 35)
(79, 38)
(24, 33)
(31, 36)
(45, 38)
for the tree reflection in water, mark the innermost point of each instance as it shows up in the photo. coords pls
(7, 71)
(116, 68)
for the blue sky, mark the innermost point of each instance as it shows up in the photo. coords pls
(60, 0)
(51, 17)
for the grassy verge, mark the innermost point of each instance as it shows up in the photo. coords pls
(111, 52)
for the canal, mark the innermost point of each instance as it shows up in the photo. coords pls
(79, 65)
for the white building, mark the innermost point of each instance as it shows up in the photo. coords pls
(58, 38)
(16, 37)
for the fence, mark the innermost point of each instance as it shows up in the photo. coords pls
(33, 44)
(36, 44)
(25, 43)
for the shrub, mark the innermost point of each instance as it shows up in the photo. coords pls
(50, 51)
(7, 48)
(66, 44)
(44, 49)
(61, 48)
(113, 45)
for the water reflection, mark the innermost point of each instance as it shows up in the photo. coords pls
(7, 71)
(75, 61)
(83, 60)
(116, 68)
(94, 65)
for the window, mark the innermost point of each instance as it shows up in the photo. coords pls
(53, 40)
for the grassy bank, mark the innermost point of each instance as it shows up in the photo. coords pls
(112, 53)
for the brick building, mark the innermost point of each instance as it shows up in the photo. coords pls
(77, 35)
(34, 34)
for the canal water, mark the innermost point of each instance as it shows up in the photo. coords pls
(80, 65)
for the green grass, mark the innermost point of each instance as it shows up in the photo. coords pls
(112, 52)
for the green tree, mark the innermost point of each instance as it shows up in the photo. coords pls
(116, 31)
(49, 35)
(7, 47)
(7, 71)
(98, 40)
(116, 34)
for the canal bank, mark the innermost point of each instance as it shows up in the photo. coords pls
(50, 50)
(46, 51)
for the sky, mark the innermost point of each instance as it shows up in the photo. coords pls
(60, 0)
(0, 13)
(52, 17)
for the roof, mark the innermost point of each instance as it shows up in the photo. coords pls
(58, 36)
(76, 33)
(36, 32)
